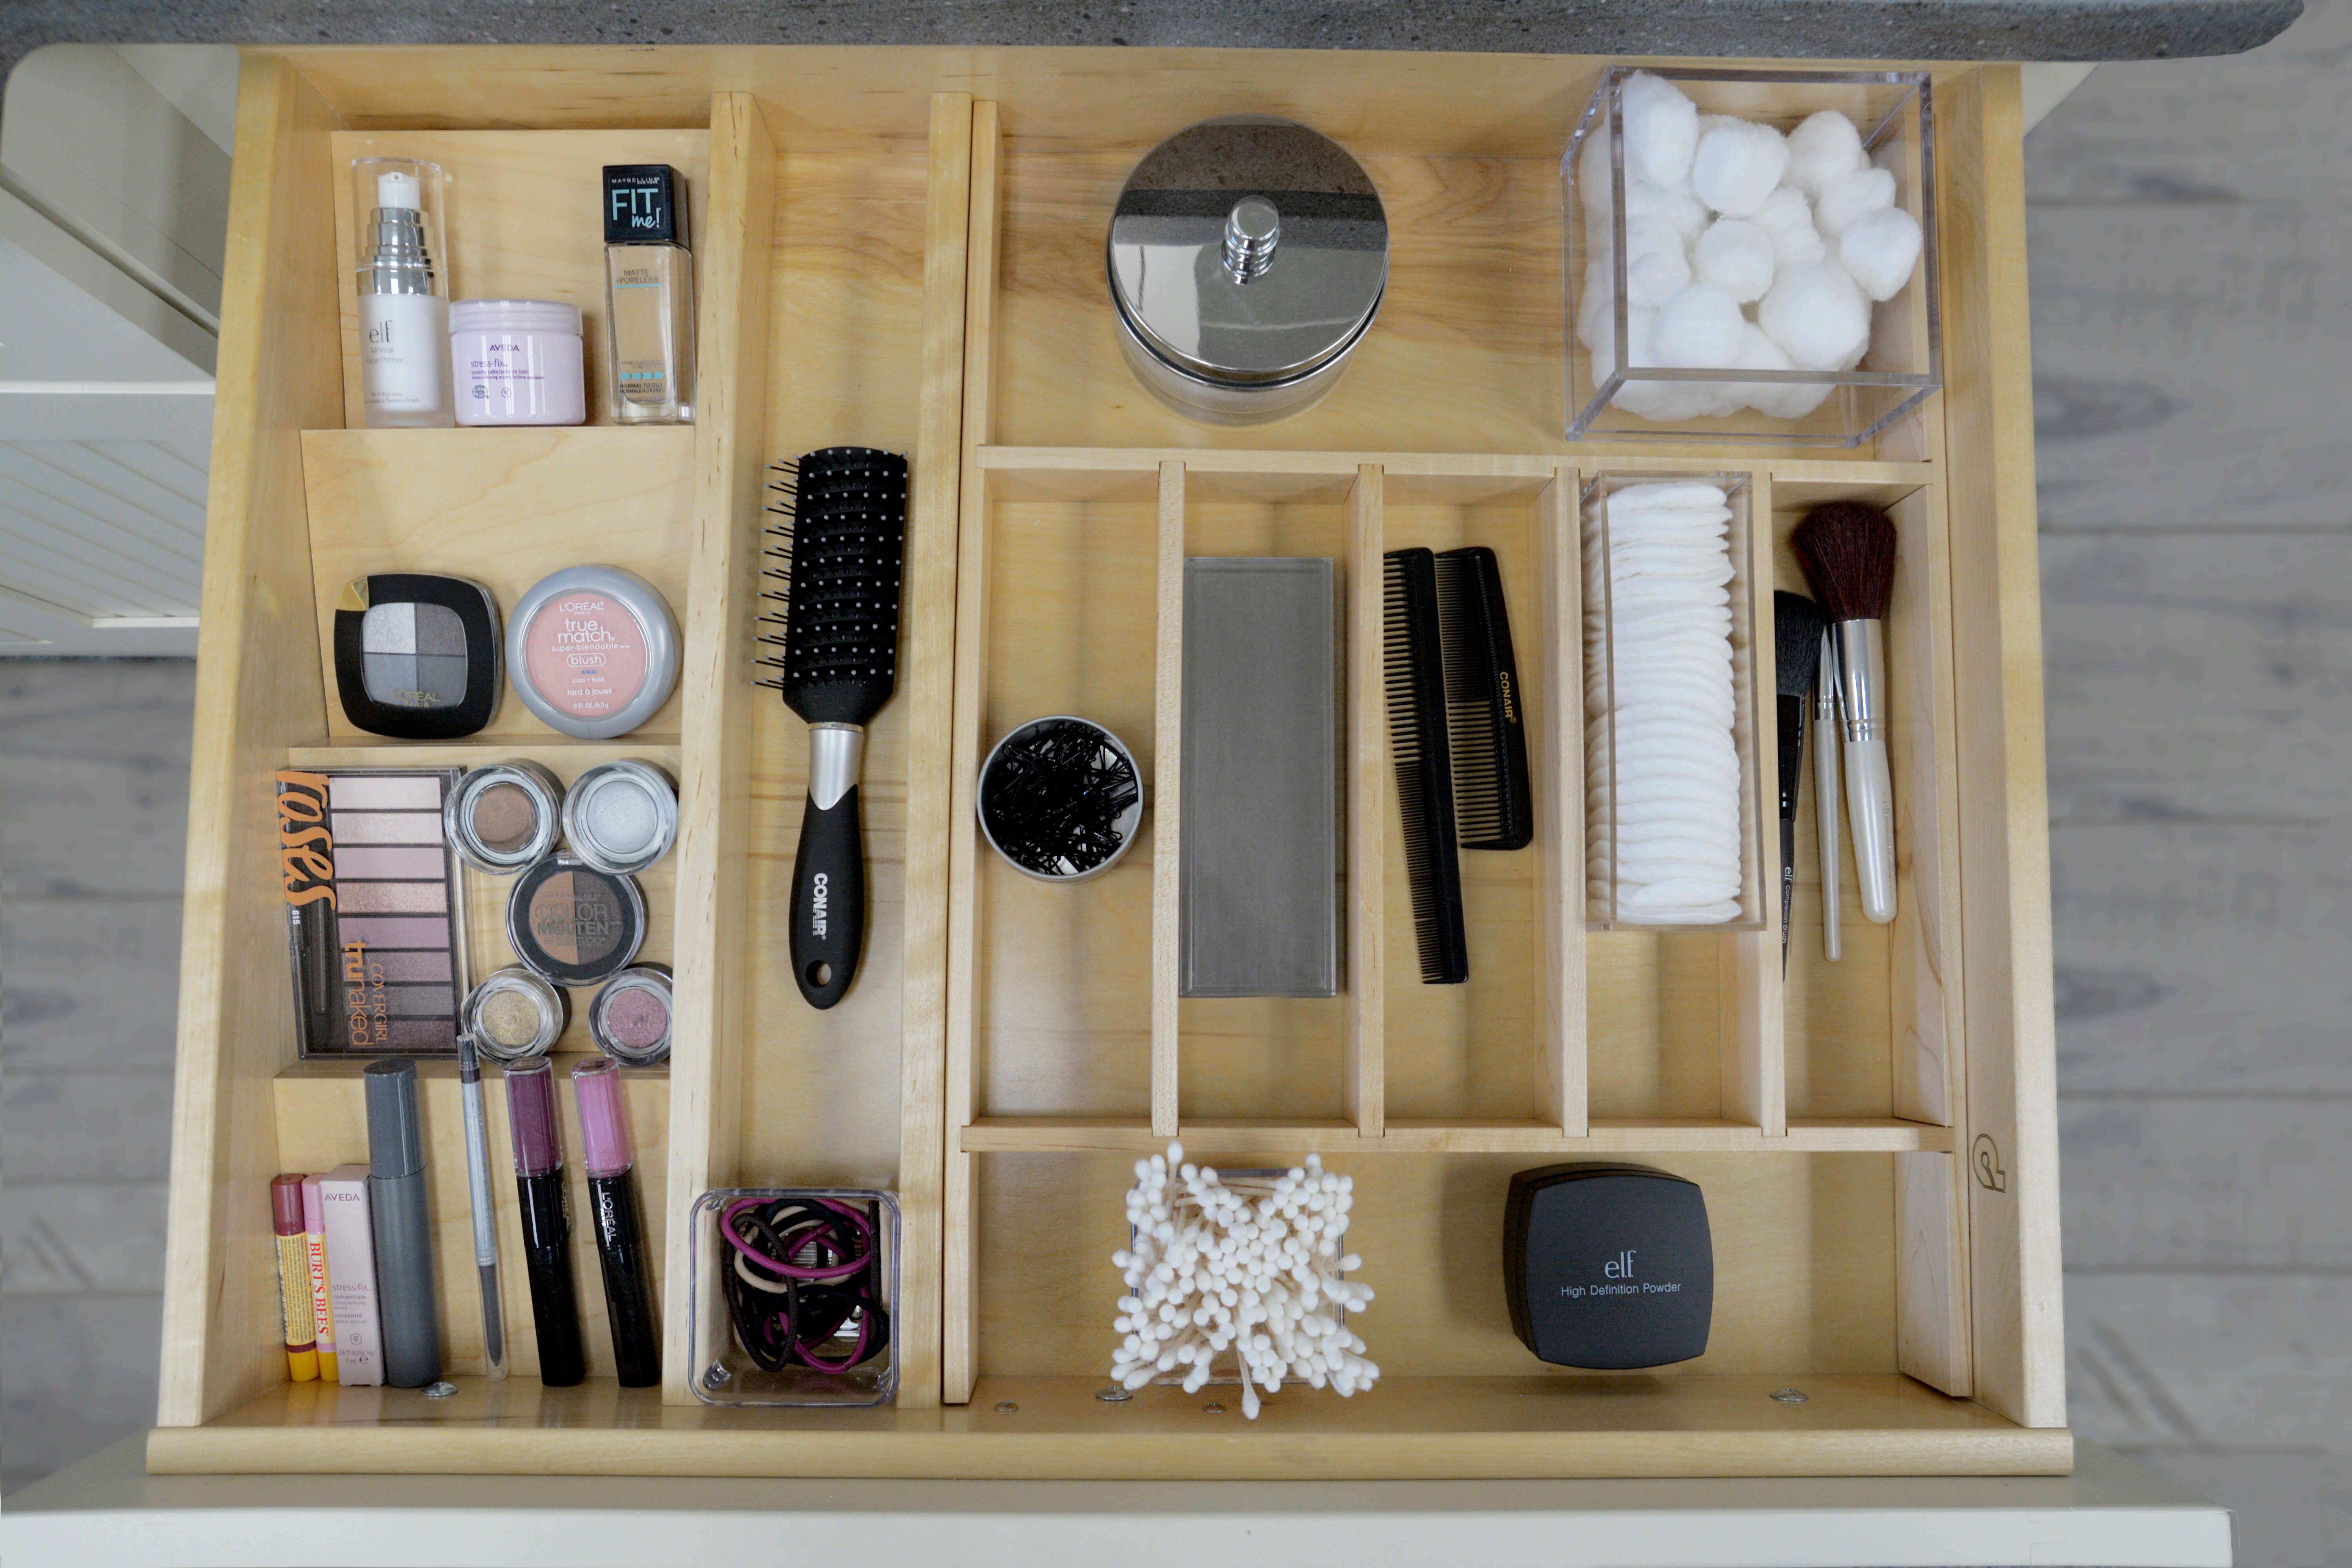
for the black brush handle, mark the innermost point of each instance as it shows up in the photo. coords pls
(1792, 775)
(828, 900)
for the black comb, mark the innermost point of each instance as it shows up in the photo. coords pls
(835, 556)
(1493, 803)
(1424, 770)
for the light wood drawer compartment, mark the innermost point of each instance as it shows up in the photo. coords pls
(902, 248)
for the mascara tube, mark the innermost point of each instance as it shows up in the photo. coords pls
(620, 1235)
(546, 1224)
(403, 1223)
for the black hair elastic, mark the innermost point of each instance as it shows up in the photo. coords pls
(805, 1270)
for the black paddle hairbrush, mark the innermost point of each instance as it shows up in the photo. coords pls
(1796, 657)
(837, 552)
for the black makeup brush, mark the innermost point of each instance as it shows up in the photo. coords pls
(839, 553)
(1848, 551)
(1797, 656)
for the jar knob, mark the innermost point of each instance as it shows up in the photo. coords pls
(1252, 231)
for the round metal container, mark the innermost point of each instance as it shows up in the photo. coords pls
(1247, 257)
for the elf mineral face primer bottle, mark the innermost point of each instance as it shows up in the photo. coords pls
(403, 292)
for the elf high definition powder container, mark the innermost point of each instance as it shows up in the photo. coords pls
(1247, 258)
(503, 817)
(592, 651)
(514, 1015)
(417, 655)
(573, 925)
(517, 361)
(630, 1017)
(621, 816)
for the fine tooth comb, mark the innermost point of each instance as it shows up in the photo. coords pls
(1494, 802)
(836, 554)
(1424, 770)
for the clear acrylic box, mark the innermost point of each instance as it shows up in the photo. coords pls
(1903, 363)
(724, 1373)
(1750, 663)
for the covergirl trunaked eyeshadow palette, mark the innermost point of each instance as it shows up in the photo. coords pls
(375, 921)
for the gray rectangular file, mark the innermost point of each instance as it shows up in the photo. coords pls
(1259, 862)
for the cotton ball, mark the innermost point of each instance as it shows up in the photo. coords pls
(1667, 402)
(1736, 166)
(1736, 255)
(1816, 312)
(1822, 149)
(1787, 217)
(1849, 197)
(1592, 169)
(1880, 249)
(1696, 328)
(1655, 263)
(1676, 207)
(1661, 128)
(1789, 400)
(1596, 307)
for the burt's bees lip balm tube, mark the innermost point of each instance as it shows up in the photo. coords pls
(294, 1278)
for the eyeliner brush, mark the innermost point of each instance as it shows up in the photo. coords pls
(485, 1214)
(1797, 655)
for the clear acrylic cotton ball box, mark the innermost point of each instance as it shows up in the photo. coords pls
(1619, 264)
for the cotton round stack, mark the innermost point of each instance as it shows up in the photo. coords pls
(1662, 783)
(1730, 224)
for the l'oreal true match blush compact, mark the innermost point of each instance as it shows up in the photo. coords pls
(592, 651)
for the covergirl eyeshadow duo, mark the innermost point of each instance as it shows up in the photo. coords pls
(592, 651)
(376, 914)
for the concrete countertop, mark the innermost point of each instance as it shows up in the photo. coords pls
(1849, 29)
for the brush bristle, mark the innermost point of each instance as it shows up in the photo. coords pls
(1796, 643)
(1847, 549)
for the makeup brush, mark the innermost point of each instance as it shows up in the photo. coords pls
(1848, 551)
(1797, 656)
(1825, 792)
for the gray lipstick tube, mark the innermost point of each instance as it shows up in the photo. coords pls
(403, 1227)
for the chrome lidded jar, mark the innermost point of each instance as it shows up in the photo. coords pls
(1247, 258)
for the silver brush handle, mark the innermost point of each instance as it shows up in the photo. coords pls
(1826, 770)
(1869, 787)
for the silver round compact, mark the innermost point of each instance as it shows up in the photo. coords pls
(1247, 258)
(621, 816)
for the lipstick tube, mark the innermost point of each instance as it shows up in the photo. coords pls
(402, 1222)
(620, 1234)
(546, 1221)
(293, 1277)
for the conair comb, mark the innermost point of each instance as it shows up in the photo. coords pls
(1493, 803)
(1417, 739)
(836, 556)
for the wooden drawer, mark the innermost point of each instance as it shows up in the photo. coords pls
(903, 248)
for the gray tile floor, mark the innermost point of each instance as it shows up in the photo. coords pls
(2191, 248)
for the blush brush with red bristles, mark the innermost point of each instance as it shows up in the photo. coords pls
(1847, 549)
